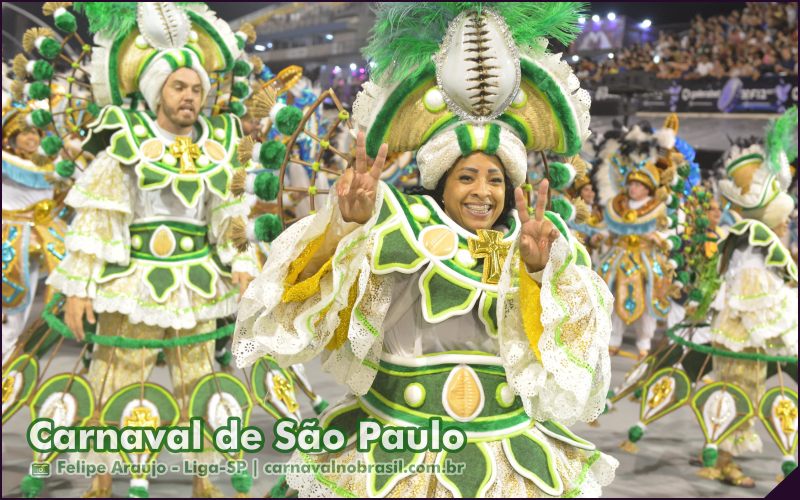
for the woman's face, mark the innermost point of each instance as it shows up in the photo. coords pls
(27, 142)
(714, 214)
(587, 194)
(474, 192)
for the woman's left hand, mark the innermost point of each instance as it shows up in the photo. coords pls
(537, 234)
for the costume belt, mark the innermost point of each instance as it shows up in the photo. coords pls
(168, 241)
(40, 213)
(467, 390)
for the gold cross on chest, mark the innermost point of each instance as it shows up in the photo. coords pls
(187, 152)
(141, 417)
(489, 246)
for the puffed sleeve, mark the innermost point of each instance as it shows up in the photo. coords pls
(553, 333)
(317, 296)
(99, 232)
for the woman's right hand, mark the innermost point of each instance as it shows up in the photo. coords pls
(357, 188)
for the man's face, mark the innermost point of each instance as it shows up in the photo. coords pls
(181, 97)
(637, 191)
(27, 141)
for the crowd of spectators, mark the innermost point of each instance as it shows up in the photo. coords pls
(760, 40)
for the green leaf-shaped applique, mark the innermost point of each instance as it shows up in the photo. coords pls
(151, 177)
(444, 296)
(531, 457)
(739, 227)
(488, 310)
(345, 418)
(112, 116)
(721, 408)
(759, 234)
(558, 431)
(396, 252)
(218, 384)
(777, 255)
(379, 485)
(201, 279)
(121, 147)
(113, 271)
(161, 281)
(474, 477)
(583, 257)
(219, 182)
(263, 379)
(188, 189)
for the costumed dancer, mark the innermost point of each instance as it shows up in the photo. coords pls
(392, 289)
(635, 267)
(150, 263)
(748, 288)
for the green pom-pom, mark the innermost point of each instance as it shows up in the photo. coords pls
(38, 91)
(637, 394)
(49, 48)
(65, 168)
(41, 118)
(561, 175)
(225, 359)
(788, 466)
(702, 222)
(242, 68)
(31, 486)
(678, 260)
(65, 21)
(266, 186)
(242, 482)
(272, 154)
(287, 119)
(673, 221)
(51, 145)
(684, 171)
(238, 108)
(42, 70)
(280, 489)
(241, 42)
(161, 358)
(674, 203)
(563, 208)
(320, 406)
(684, 277)
(240, 90)
(138, 492)
(696, 295)
(267, 227)
(635, 433)
(709, 456)
(93, 108)
(676, 242)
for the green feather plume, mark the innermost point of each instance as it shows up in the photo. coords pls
(782, 136)
(407, 34)
(111, 18)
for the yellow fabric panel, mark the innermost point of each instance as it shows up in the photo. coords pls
(340, 334)
(531, 307)
(296, 292)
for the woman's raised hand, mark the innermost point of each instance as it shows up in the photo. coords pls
(537, 234)
(357, 187)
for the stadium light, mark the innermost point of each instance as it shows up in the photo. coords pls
(646, 23)
(611, 55)
(353, 66)
(581, 20)
(329, 37)
(656, 58)
(337, 69)
(596, 18)
(259, 48)
(269, 45)
(611, 16)
(575, 58)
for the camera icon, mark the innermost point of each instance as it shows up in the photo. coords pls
(40, 470)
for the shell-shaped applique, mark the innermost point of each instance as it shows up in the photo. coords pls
(477, 68)
(164, 25)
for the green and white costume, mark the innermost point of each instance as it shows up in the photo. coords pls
(419, 317)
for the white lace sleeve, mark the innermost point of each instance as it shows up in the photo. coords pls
(296, 331)
(570, 380)
(757, 309)
(73, 276)
(102, 201)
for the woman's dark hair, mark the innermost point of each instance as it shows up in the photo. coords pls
(437, 194)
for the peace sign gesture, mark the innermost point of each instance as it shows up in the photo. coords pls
(537, 234)
(357, 187)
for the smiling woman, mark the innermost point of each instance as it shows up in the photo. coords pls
(465, 306)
